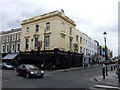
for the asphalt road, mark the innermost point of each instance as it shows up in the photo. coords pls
(82, 78)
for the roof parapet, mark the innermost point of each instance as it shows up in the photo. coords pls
(47, 15)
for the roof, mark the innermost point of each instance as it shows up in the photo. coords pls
(10, 56)
(49, 15)
(11, 31)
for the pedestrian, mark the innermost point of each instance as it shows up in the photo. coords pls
(50, 66)
(118, 73)
(42, 67)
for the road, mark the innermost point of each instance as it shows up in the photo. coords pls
(82, 78)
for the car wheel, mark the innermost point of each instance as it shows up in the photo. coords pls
(27, 75)
(42, 75)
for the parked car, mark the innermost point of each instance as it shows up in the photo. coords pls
(29, 71)
(6, 66)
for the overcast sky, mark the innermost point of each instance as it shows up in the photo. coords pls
(92, 17)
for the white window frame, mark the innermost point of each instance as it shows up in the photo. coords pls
(18, 36)
(3, 39)
(13, 37)
(27, 30)
(17, 47)
(7, 38)
(7, 48)
(3, 51)
(13, 47)
(47, 25)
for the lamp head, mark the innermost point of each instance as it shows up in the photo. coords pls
(104, 34)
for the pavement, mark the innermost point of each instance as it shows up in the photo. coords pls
(111, 80)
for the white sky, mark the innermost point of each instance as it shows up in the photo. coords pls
(92, 17)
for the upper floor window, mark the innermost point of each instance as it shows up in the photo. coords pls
(48, 25)
(18, 36)
(70, 31)
(3, 48)
(13, 47)
(84, 50)
(47, 41)
(84, 41)
(3, 39)
(7, 48)
(90, 44)
(18, 47)
(27, 30)
(8, 38)
(36, 42)
(70, 44)
(80, 49)
(13, 37)
(26, 43)
(37, 28)
(76, 38)
(80, 39)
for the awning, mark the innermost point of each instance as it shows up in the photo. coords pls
(10, 56)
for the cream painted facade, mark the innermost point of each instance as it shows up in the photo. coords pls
(10, 41)
(60, 33)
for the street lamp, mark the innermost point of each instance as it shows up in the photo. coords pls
(44, 35)
(105, 34)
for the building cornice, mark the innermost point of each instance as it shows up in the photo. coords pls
(46, 16)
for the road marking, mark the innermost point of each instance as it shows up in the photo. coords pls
(104, 86)
(5, 81)
(20, 78)
(47, 74)
(93, 79)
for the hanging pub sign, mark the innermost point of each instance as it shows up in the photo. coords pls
(39, 44)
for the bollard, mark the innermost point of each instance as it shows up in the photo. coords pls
(111, 68)
(106, 70)
(103, 72)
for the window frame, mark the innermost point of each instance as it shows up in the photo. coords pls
(26, 43)
(47, 25)
(47, 41)
(36, 28)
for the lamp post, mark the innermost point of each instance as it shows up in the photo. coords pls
(105, 34)
(44, 35)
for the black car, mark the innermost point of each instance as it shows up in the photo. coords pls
(6, 66)
(29, 71)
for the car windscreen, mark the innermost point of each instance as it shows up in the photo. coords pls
(30, 67)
